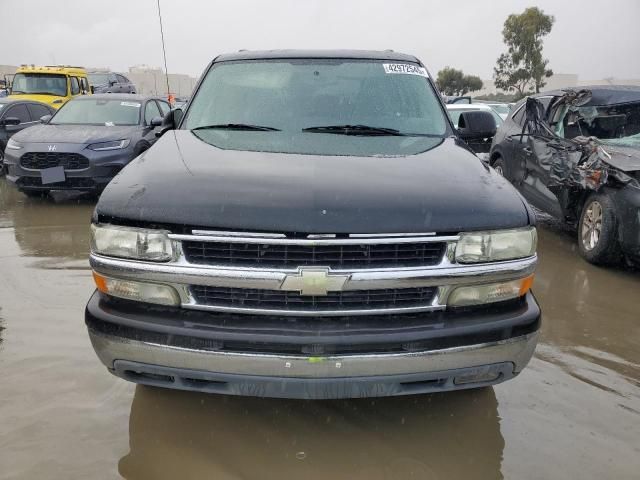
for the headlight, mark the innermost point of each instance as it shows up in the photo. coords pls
(115, 145)
(13, 145)
(476, 247)
(128, 242)
(489, 293)
(138, 291)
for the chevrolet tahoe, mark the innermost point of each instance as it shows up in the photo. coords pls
(313, 226)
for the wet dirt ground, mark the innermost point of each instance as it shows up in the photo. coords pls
(573, 413)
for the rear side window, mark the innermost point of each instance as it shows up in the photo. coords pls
(151, 111)
(121, 79)
(75, 86)
(38, 111)
(20, 112)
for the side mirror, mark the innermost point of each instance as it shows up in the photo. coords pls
(11, 121)
(45, 118)
(156, 122)
(476, 125)
(170, 121)
(112, 83)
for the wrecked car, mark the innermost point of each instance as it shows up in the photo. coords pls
(575, 154)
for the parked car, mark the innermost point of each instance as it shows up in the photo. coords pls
(16, 115)
(53, 84)
(456, 109)
(323, 232)
(181, 102)
(85, 144)
(480, 146)
(575, 154)
(110, 82)
(4, 90)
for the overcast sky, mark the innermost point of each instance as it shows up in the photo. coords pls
(593, 39)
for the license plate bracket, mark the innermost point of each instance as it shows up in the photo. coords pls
(52, 175)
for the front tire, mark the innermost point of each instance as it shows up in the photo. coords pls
(598, 229)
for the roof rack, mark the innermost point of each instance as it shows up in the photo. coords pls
(62, 66)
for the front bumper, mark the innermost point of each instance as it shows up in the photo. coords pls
(103, 166)
(199, 351)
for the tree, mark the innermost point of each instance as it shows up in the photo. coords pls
(522, 66)
(453, 82)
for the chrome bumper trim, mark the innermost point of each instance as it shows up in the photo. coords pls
(181, 275)
(517, 350)
(272, 279)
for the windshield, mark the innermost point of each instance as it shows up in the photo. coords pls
(291, 96)
(98, 112)
(98, 78)
(40, 83)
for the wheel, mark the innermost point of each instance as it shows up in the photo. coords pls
(597, 230)
(499, 166)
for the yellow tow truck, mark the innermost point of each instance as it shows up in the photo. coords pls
(54, 84)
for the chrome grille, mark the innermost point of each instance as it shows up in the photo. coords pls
(279, 255)
(42, 160)
(293, 301)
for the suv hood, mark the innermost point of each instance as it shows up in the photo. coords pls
(82, 134)
(184, 181)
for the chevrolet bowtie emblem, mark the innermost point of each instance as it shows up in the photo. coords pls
(314, 281)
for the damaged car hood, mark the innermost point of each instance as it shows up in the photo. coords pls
(626, 159)
(186, 182)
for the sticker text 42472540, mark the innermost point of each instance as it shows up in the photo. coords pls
(405, 69)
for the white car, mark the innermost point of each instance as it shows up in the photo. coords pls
(455, 109)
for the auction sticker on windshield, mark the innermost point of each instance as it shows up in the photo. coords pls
(405, 68)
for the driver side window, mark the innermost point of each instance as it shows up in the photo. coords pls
(151, 111)
(20, 112)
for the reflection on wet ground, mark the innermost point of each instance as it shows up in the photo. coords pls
(573, 413)
(410, 437)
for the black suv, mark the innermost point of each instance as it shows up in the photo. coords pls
(314, 227)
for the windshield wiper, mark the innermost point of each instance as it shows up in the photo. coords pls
(238, 126)
(354, 130)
